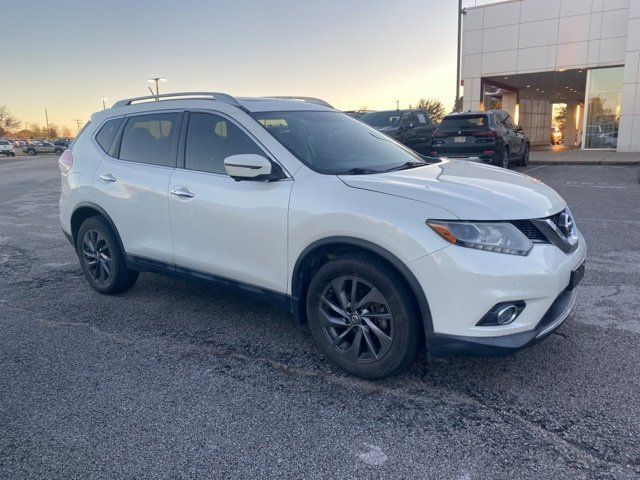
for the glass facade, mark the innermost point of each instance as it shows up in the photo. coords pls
(604, 97)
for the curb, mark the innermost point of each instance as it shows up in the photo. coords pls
(585, 162)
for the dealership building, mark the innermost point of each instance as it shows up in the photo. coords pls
(578, 60)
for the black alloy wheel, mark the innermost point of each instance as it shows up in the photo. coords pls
(102, 259)
(357, 319)
(524, 161)
(504, 159)
(363, 315)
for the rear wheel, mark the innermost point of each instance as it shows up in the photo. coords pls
(363, 317)
(31, 152)
(524, 161)
(58, 151)
(101, 258)
(504, 159)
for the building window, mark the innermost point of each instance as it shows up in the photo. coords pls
(604, 97)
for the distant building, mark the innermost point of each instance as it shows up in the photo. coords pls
(526, 55)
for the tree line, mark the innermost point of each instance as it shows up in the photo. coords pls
(11, 126)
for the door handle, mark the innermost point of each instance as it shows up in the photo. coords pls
(107, 177)
(182, 192)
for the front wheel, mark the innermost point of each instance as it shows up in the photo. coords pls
(101, 258)
(31, 153)
(58, 152)
(363, 317)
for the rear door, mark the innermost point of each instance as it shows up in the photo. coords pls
(516, 140)
(131, 182)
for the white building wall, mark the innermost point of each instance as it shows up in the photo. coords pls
(525, 36)
(629, 133)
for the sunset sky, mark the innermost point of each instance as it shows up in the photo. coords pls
(66, 55)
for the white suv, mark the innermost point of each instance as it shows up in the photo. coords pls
(6, 148)
(379, 249)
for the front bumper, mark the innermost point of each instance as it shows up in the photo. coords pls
(446, 345)
(462, 284)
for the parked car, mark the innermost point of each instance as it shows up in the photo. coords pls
(62, 142)
(6, 148)
(43, 147)
(490, 136)
(379, 249)
(412, 128)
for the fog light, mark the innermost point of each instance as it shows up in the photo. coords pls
(502, 314)
(506, 314)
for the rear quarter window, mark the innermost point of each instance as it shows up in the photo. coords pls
(107, 134)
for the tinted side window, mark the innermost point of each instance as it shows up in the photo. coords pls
(212, 138)
(508, 122)
(107, 133)
(151, 139)
(410, 118)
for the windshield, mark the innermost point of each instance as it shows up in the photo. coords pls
(334, 143)
(382, 119)
(464, 122)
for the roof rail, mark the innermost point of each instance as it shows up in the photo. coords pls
(220, 97)
(317, 101)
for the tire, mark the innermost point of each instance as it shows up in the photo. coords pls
(58, 152)
(504, 159)
(387, 326)
(32, 153)
(97, 245)
(524, 161)
(13, 154)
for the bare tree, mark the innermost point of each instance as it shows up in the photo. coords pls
(7, 120)
(434, 108)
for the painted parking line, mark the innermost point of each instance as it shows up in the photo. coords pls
(534, 168)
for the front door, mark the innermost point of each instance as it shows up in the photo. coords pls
(231, 229)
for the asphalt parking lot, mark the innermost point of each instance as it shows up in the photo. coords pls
(177, 379)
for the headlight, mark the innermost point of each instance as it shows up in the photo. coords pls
(499, 237)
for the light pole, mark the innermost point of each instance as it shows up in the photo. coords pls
(461, 12)
(104, 105)
(46, 117)
(157, 80)
(397, 105)
(78, 122)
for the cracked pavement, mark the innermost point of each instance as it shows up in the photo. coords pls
(178, 379)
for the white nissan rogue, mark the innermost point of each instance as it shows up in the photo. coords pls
(379, 249)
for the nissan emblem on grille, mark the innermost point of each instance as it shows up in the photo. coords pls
(565, 223)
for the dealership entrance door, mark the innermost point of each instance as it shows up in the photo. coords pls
(530, 98)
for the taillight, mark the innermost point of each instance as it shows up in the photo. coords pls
(65, 162)
(485, 133)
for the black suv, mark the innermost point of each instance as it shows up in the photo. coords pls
(490, 136)
(412, 128)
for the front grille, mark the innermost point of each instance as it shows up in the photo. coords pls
(530, 231)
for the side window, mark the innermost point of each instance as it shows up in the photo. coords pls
(212, 138)
(107, 134)
(508, 122)
(151, 139)
(4, 142)
(410, 118)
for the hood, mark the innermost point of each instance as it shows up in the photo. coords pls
(471, 191)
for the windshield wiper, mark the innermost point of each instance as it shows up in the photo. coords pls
(360, 171)
(406, 165)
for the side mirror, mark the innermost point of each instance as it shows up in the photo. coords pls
(248, 166)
